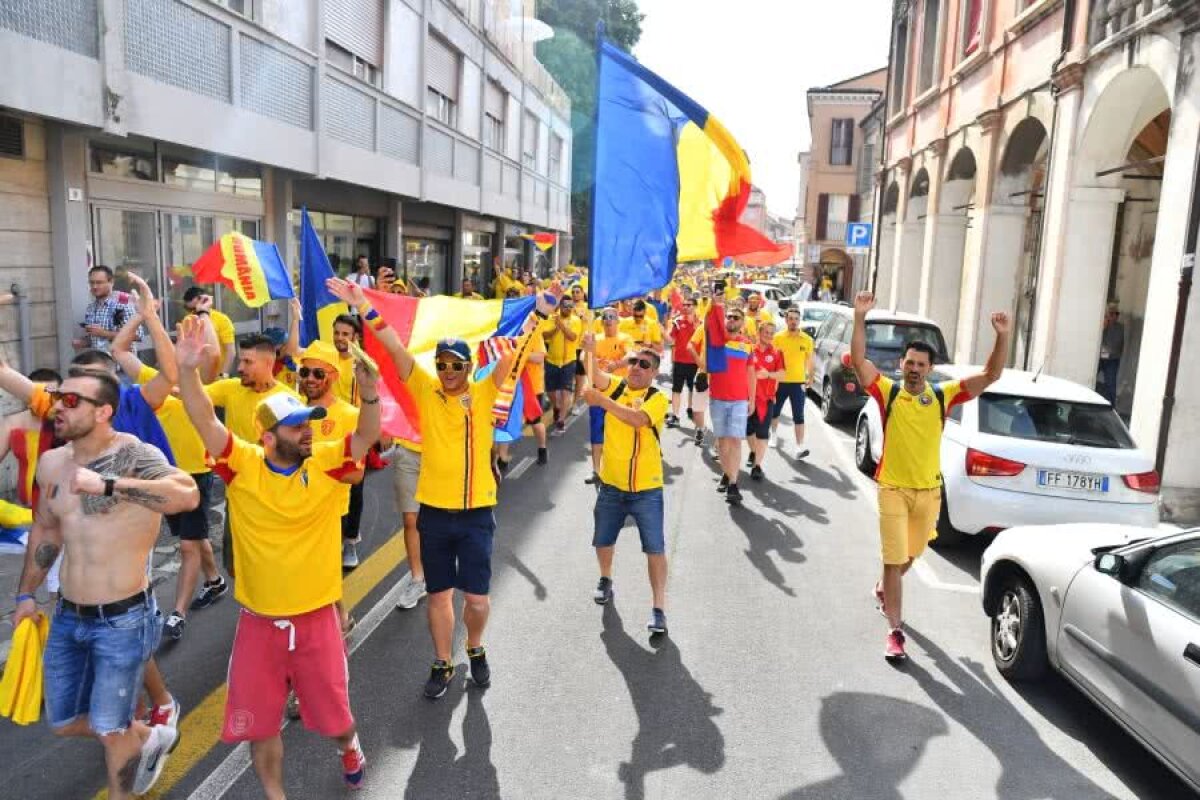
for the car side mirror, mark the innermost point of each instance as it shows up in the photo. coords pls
(1110, 564)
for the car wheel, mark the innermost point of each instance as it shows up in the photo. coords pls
(862, 450)
(1018, 632)
(829, 413)
(947, 534)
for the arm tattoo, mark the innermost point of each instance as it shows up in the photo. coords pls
(142, 497)
(132, 460)
(45, 554)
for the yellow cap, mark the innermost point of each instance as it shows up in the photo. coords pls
(322, 351)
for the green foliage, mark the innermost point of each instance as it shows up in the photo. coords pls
(571, 58)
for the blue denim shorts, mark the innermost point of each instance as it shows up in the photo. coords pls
(729, 418)
(94, 666)
(560, 379)
(456, 548)
(646, 508)
(794, 393)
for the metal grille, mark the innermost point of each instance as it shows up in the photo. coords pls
(349, 115)
(275, 84)
(70, 24)
(357, 25)
(441, 67)
(466, 162)
(175, 44)
(491, 174)
(512, 180)
(12, 137)
(399, 136)
(439, 152)
(495, 100)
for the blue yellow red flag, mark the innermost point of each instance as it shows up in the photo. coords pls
(319, 307)
(254, 270)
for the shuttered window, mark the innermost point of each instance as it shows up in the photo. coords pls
(12, 138)
(529, 140)
(496, 102)
(841, 142)
(357, 25)
(822, 215)
(441, 68)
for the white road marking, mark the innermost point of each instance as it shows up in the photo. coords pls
(221, 779)
(519, 469)
(870, 492)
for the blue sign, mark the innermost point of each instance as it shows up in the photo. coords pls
(858, 234)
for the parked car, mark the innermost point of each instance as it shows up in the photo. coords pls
(1116, 610)
(812, 314)
(887, 333)
(1032, 449)
(770, 294)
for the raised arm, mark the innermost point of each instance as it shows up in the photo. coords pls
(976, 384)
(532, 327)
(122, 348)
(353, 294)
(295, 313)
(15, 383)
(867, 373)
(159, 387)
(42, 548)
(600, 378)
(191, 349)
(369, 428)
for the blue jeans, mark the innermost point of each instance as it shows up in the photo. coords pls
(1107, 387)
(93, 666)
(646, 508)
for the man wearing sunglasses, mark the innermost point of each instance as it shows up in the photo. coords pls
(101, 501)
(644, 331)
(631, 474)
(732, 390)
(285, 500)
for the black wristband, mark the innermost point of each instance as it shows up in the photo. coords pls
(109, 485)
(540, 314)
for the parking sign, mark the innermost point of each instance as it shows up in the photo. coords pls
(858, 234)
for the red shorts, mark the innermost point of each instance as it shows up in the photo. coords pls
(305, 652)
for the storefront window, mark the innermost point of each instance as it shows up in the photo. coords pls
(339, 243)
(426, 258)
(227, 300)
(477, 258)
(124, 162)
(187, 237)
(240, 178)
(126, 241)
(344, 237)
(198, 172)
(514, 253)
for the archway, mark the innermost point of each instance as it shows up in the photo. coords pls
(950, 244)
(912, 244)
(885, 242)
(835, 270)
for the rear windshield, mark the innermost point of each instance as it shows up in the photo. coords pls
(886, 340)
(1042, 420)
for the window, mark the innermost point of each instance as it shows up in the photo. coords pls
(1048, 420)
(972, 15)
(556, 153)
(897, 99)
(242, 7)
(956, 413)
(125, 161)
(841, 142)
(346, 61)
(442, 64)
(477, 257)
(196, 172)
(866, 168)
(495, 111)
(529, 140)
(886, 342)
(930, 45)
(441, 108)
(12, 137)
(1172, 575)
(241, 178)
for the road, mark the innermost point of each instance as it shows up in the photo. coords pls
(771, 684)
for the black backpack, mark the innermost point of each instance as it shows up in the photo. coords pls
(895, 392)
(653, 390)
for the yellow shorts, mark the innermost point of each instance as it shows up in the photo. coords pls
(907, 521)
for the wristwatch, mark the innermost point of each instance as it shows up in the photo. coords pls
(109, 485)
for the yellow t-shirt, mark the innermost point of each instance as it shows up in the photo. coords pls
(240, 403)
(186, 444)
(912, 437)
(560, 351)
(631, 458)
(222, 327)
(341, 420)
(456, 443)
(649, 332)
(537, 372)
(346, 386)
(796, 348)
(613, 348)
(287, 529)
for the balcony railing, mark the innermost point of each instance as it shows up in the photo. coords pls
(1110, 18)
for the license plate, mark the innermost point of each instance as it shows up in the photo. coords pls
(1072, 481)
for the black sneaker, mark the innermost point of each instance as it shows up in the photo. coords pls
(689, 415)
(733, 495)
(173, 627)
(481, 673)
(672, 421)
(699, 438)
(750, 461)
(439, 679)
(723, 485)
(604, 592)
(658, 622)
(502, 466)
(756, 473)
(543, 456)
(802, 454)
(210, 592)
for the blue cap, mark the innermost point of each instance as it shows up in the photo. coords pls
(278, 336)
(454, 346)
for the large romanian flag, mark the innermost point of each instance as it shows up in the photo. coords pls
(671, 183)
(420, 323)
(253, 269)
(318, 306)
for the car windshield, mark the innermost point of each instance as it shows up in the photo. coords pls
(816, 314)
(1046, 420)
(886, 341)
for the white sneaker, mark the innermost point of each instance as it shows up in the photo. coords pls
(411, 594)
(576, 410)
(349, 555)
(155, 751)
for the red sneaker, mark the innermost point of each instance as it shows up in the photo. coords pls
(879, 599)
(894, 650)
(166, 715)
(354, 765)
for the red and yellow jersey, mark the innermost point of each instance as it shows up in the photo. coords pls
(912, 433)
(27, 446)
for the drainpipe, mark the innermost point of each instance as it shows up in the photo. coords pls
(881, 190)
(23, 326)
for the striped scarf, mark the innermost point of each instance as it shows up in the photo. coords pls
(496, 348)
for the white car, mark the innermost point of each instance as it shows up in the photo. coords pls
(771, 294)
(813, 313)
(1116, 610)
(1032, 450)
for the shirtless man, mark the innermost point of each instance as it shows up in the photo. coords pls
(101, 501)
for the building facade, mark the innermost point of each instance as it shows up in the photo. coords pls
(421, 133)
(831, 195)
(1040, 157)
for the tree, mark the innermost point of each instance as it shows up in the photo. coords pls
(570, 57)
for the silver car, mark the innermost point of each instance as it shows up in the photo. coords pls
(1116, 610)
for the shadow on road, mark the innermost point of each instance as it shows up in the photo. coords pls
(834, 479)
(967, 555)
(876, 740)
(539, 588)
(1030, 769)
(675, 725)
(782, 499)
(766, 536)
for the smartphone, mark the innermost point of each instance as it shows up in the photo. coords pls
(361, 356)
(718, 286)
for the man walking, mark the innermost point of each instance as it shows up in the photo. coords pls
(106, 314)
(101, 501)
(631, 474)
(683, 361)
(562, 333)
(768, 369)
(285, 511)
(910, 475)
(732, 391)
(1112, 347)
(797, 349)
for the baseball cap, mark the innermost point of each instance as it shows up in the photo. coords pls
(278, 336)
(455, 347)
(322, 351)
(285, 409)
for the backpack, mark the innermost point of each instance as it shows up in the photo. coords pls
(895, 392)
(653, 390)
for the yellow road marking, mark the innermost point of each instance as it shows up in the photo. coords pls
(200, 728)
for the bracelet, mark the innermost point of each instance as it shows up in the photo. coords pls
(377, 324)
(370, 402)
(21, 598)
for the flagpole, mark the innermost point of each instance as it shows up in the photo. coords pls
(595, 167)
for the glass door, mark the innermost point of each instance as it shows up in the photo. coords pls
(126, 240)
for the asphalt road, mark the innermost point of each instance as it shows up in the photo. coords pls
(771, 683)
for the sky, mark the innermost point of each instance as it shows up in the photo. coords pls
(749, 62)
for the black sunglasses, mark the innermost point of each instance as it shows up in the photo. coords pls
(316, 372)
(734, 317)
(644, 363)
(70, 399)
(457, 366)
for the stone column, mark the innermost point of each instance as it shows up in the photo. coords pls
(903, 182)
(990, 124)
(945, 273)
(70, 231)
(998, 270)
(935, 167)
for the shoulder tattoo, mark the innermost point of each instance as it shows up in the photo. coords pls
(133, 460)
